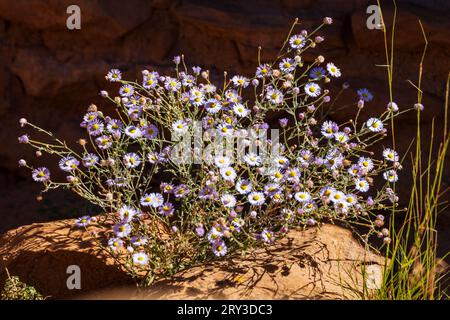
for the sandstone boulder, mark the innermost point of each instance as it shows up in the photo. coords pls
(40, 253)
(318, 263)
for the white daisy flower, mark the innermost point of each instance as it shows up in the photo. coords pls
(228, 173)
(309, 206)
(131, 160)
(256, 198)
(180, 127)
(302, 196)
(274, 96)
(115, 243)
(154, 200)
(68, 164)
(374, 125)
(127, 213)
(327, 192)
(362, 185)
(365, 163)
(122, 230)
(225, 129)
(281, 162)
(240, 81)
(351, 199)
(196, 97)
(240, 110)
(244, 186)
(172, 84)
(140, 259)
(213, 106)
(276, 174)
(267, 236)
(390, 155)
(222, 161)
(214, 234)
(287, 65)
(292, 174)
(297, 41)
(342, 206)
(333, 70)
(341, 137)
(133, 132)
(390, 176)
(337, 196)
(252, 159)
(329, 128)
(228, 200)
(312, 89)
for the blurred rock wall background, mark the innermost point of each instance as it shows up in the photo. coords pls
(51, 74)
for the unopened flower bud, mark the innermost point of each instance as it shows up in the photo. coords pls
(392, 106)
(22, 163)
(327, 20)
(361, 104)
(379, 223)
(318, 39)
(320, 59)
(92, 108)
(23, 122)
(23, 139)
(71, 179)
(419, 107)
(38, 153)
(287, 84)
(397, 165)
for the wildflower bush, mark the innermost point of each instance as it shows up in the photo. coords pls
(186, 170)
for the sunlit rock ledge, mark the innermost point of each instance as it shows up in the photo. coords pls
(317, 263)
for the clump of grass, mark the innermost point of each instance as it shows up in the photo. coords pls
(15, 289)
(413, 271)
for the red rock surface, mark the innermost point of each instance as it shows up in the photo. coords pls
(318, 263)
(51, 74)
(40, 253)
(310, 264)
